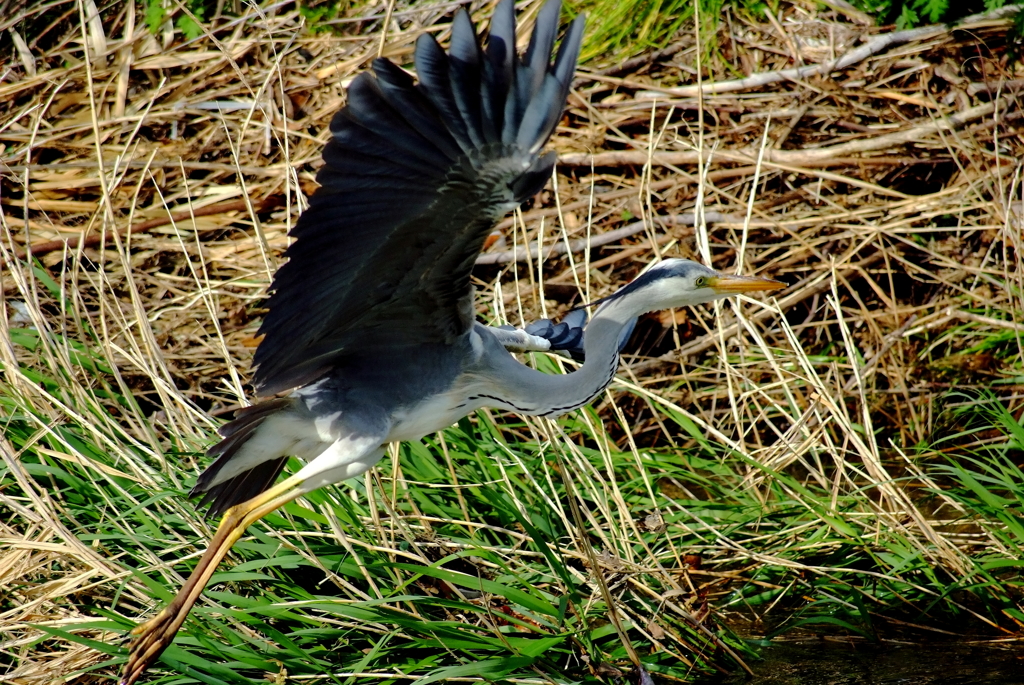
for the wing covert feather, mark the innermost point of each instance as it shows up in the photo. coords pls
(415, 177)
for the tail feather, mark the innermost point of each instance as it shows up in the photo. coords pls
(242, 487)
(246, 485)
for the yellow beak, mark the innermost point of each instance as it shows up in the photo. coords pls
(729, 284)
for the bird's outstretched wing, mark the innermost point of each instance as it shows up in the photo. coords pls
(415, 176)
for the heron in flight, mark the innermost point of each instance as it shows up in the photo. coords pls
(371, 336)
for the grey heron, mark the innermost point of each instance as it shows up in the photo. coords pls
(371, 337)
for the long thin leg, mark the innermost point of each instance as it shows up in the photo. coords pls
(153, 636)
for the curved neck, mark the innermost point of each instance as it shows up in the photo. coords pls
(514, 386)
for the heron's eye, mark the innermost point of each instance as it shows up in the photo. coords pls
(700, 282)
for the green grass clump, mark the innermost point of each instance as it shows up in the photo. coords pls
(491, 550)
(910, 13)
(618, 30)
(466, 564)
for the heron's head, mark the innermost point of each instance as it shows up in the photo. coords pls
(680, 282)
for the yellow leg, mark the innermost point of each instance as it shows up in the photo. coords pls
(153, 636)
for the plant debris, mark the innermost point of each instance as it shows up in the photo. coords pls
(878, 173)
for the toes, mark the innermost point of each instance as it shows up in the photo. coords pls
(151, 639)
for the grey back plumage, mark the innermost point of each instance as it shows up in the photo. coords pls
(415, 177)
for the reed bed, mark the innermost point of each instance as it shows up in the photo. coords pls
(843, 459)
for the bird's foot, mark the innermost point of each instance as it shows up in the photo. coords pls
(151, 638)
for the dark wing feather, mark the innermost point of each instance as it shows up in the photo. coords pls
(415, 177)
(464, 77)
(499, 70)
(538, 53)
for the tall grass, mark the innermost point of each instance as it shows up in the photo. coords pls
(762, 485)
(471, 555)
(491, 550)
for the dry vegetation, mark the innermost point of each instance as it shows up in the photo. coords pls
(155, 180)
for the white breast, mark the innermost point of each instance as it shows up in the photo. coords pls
(432, 415)
(467, 394)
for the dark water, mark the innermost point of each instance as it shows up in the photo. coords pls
(830, 663)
